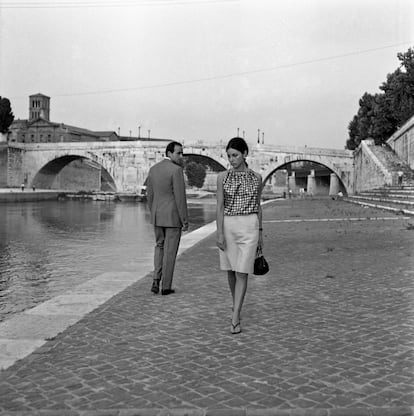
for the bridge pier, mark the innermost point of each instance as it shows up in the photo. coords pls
(334, 185)
(292, 188)
(311, 183)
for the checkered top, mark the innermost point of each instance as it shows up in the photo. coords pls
(241, 190)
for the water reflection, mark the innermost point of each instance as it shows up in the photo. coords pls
(48, 247)
(71, 216)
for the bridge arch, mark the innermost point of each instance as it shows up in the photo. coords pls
(73, 172)
(310, 176)
(207, 161)
(212, 166)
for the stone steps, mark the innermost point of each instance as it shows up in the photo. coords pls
(401, 197)
(398, 199)
(393, 163)
(405, 202)
(384, 206)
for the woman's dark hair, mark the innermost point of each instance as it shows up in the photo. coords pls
(239, 144)
(171, 147)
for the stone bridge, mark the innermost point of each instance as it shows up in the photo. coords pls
(123, 166)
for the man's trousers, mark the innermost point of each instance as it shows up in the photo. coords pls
(167, 240)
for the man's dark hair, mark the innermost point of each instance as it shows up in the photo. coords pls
(171, 147)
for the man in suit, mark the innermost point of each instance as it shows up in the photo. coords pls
(168, 205)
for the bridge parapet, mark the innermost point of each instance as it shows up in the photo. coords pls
(302, 150)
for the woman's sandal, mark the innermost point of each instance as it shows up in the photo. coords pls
(235, 329)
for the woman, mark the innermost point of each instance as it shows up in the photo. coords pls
(239, 223)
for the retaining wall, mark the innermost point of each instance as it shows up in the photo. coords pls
(368, 170)
(3, 165)
(402, 142)
(27, 196)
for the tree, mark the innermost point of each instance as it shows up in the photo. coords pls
(353, 141)
(196, 173)
(399, 89)
(360, 126)
(380, 115)
(6, 115)
(366, 114)
(383, 124)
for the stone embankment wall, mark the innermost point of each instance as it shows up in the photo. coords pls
(15, 195)
(14, 169)
(368, 170)
(402, 142)
(3, 165)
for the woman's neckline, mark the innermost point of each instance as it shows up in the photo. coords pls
(239, 171)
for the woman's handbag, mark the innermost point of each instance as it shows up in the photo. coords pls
(261, 266)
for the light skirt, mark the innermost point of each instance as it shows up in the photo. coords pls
(241, 235)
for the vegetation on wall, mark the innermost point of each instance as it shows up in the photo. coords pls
(382, 114)
(6, 115)
(196, 173)
(207, 162)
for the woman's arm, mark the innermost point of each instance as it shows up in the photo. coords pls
(259, 212)
(221, 244)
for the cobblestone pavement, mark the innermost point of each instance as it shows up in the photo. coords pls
(329, 331)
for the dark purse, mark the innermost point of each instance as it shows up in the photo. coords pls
(261, 266)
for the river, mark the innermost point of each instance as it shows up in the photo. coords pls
(49, 247)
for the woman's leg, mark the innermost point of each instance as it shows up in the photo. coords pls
(231, 276)
(239, 294)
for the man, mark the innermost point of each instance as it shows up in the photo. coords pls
(168, 205)
(400, 174)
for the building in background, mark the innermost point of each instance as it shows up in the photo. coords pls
(39, 129)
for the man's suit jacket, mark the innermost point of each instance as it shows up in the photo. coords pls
(166, 195)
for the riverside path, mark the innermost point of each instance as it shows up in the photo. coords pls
(328, 331)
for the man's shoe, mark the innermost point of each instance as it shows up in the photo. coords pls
(155, 287)
(167, 291)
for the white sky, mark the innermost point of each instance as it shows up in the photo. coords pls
(201, 69)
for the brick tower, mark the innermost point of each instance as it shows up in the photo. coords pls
(39, 107)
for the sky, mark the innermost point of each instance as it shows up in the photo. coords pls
(289, 71)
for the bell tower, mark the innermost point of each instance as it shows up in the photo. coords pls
(39, 107)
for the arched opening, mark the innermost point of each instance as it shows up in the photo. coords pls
(74, 173)
(210, 166)
(302, 178)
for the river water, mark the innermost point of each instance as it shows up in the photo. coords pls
(51, 246)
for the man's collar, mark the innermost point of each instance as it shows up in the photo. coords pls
(169, 159)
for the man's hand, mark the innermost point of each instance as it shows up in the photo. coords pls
(185, 227)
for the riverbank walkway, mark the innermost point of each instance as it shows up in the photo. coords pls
(328, 331)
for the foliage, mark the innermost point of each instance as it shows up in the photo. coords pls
(6, 115)
(207, 162)
(380, 115)
(196, 173)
